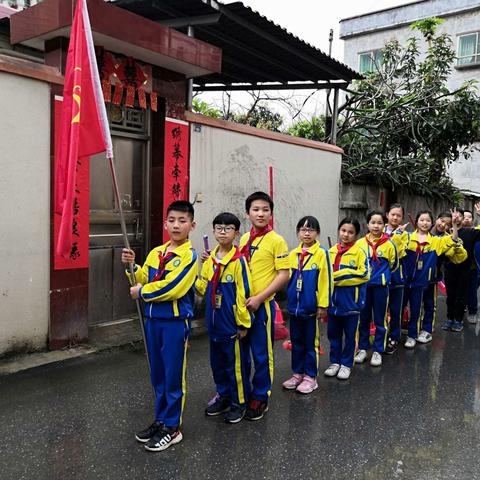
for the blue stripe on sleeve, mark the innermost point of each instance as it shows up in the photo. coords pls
(245, 278)
(175, 282)
(330, 279)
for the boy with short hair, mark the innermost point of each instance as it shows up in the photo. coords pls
(267, 255)
(225, 282)
(165, 283)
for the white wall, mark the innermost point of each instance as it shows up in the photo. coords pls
(227, 166)
(25, 212)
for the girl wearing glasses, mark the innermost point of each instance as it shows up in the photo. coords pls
(309, 295)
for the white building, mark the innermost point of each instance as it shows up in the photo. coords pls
(365, 35)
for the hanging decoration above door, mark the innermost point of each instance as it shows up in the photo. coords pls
(127, 77)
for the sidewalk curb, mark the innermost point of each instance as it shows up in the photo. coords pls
(27, 361)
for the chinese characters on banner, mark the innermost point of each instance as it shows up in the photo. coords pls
(78, 257)
(175, 164)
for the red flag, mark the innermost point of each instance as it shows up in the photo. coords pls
(84, 125)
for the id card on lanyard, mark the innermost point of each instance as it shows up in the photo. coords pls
(419, 256)
(301, 266)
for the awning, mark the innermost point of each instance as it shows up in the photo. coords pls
(255, 50)
(120, 31)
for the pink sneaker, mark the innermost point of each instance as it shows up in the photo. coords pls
(308, 385)
(293, 382)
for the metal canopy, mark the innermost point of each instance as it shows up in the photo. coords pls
(256, 52)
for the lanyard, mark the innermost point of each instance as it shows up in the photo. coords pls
(253, 248)
(218, 274)
(301, 264)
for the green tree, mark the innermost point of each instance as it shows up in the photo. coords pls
(312, 129)
(260, 116)
(199, 106)
(402, 126)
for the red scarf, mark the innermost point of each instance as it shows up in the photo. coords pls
(383, 239)
(218, 271)
(163, 258)
(419, 249)
(254, 234)
(338, 257)
(303, 254)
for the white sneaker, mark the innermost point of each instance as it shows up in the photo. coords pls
(472, 319)
(424, 337)
(376, 360)
(332, 370)
(410, 343)
(360, 356)
(344, 373)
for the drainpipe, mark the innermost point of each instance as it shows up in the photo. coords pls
(190, 33)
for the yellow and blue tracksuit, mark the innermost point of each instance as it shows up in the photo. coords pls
(383, 261)
(268, 255)
(455, 255)
(397, 283)
(168, 295)
(310, 287)
(225, 314)
(351, 272)
(421, 262)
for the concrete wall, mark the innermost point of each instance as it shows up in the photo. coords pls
(226, 166)
(372, 31)
(25, 213)
(357, 200)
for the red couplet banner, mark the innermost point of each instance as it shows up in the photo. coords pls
(176, 157)
(78, 256)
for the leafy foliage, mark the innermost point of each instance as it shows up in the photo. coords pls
(204, 108)
(261, 117)
(313, 129)
(403, 126)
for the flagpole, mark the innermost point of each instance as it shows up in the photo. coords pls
(131, 266)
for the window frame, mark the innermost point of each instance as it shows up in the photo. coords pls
(371, 53)
(475, 55)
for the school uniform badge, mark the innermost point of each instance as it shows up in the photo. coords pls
(229, 278)
(314, 266)
(351, 263)
(176, 262)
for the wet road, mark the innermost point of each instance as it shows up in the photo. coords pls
(416, 417)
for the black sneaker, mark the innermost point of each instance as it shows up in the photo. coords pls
(220, 405)
(235, 414)
(456, 326)
(256, 410)
(391, 347)
(145, 435)
(447, 326)
(164, 438)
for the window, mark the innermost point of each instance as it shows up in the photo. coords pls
(468, 49)
(370, 61)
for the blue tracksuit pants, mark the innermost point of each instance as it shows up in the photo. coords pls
(376, 301)
(395, 305)
(229, 367)
(167, 342)
(429, 307)
(305, 337)
(414, 295)
(473, 284)
(260, 340)
(342, 331)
